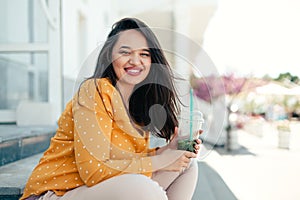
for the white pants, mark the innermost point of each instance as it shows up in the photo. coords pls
(164, 185)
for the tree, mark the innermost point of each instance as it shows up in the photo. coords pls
(212, 87)
(288, 78)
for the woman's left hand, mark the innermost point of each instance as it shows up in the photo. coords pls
(171, 145)
(197, 145)
(174, 143)
(174, 140)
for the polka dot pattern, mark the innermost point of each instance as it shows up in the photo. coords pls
(91, 144)
(57, 168)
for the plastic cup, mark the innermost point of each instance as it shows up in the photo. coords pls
(185, 140)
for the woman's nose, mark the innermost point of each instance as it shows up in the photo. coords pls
(134, 59)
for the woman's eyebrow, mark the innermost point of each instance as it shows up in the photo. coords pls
(127, 47)
(148, 50)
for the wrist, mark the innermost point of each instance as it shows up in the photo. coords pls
(155, 162)
(159, 150)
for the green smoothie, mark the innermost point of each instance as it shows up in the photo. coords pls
(186, 145)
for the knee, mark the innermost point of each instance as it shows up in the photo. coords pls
(145, 188)
(194, 164)
(193, 168)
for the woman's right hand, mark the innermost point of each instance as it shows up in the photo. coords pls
(172, 160)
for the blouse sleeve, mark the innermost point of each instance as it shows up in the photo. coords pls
(93, 125)
(152, 151)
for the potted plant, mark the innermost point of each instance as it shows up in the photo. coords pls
(284, 134)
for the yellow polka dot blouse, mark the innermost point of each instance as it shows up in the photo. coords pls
(95, 141)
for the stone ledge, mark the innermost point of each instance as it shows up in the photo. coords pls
(13, 132)
(20, 142)
(14, 176)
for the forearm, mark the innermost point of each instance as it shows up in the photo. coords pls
(93, 171)
(159, 150)
(157, 163)
(165, 159)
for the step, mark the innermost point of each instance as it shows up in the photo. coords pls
(20, 142)
(14, 176)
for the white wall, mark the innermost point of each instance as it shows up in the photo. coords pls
(85, 25)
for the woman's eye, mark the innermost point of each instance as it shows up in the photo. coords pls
(145, 54)
(124, 52)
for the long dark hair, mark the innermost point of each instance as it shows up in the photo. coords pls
(157, 89)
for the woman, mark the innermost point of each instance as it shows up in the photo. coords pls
(101, 148)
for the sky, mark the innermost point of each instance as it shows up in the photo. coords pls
(255, 37)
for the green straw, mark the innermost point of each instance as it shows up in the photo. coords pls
(191, 113)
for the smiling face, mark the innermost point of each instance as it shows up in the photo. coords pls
(131, 58)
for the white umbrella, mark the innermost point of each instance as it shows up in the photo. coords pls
(273, 88)
(295, 90)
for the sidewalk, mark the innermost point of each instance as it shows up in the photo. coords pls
(258, 170)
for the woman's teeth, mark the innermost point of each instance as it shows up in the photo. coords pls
(133, 70)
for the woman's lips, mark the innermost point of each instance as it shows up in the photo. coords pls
(133, 71)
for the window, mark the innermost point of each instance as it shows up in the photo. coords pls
(29, 54)
(24, 76)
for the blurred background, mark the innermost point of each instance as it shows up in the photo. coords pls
(245, 61)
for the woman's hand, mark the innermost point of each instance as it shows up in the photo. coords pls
(172, 160)
(197, 146)
(198, 143)
(171, 145)
(174, 140)
(174, 143)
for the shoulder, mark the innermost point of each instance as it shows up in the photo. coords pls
(95, 92)
(105, 87)
(93, 89)
(103, 84)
